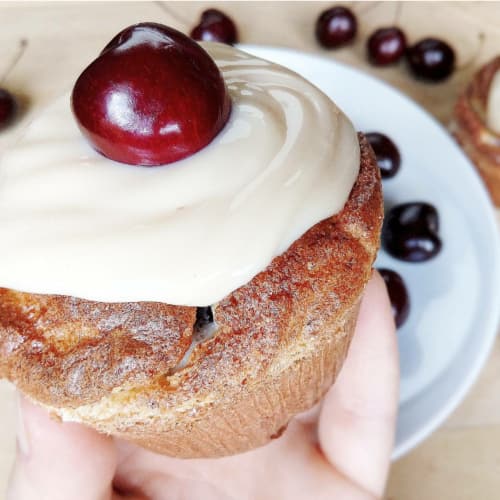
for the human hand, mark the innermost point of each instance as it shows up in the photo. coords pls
(339, 449)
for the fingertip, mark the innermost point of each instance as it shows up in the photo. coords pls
(57, 460)
(40, 424)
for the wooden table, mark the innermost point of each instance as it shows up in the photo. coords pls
(462, 459)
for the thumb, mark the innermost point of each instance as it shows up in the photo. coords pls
(57, 461)
(358, 417)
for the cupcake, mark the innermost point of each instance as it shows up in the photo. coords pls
(188, 291)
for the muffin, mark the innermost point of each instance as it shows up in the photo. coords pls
(189, 364)
(476, 124)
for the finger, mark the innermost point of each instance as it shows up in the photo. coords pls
(357, 421)
(303, 473)
(60, 461)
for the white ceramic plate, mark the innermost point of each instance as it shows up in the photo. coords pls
(455, 297)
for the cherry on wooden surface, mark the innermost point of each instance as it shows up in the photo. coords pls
(215, 26)
(336, 27)
(431, 59)
(386, 46)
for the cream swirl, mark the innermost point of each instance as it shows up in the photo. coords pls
(76, 223)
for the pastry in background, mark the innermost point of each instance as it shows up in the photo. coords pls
(477, 124)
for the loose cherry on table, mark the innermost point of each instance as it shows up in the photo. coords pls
(7, 107)
(336, 27)
(153, 96)
(410, 232)
(398, 295)
(386, 46)
(386, 152)
(431, 59)
(215, 26)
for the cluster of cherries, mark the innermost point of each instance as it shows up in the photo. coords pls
(429, 59)
(410, 232)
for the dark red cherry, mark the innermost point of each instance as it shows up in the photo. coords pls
(398, 294)
(153, 96)
(215, 26)
(410, 232)
(388, 157)
(336, 27)
(431, 59)
(386, 46)
(7, 107)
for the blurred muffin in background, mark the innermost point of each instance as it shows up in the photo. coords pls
(476, 124)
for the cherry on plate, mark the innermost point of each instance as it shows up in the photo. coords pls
(386, 152)
(431, 59)
(215, 26)
(336, 27)
(410, 232)
(386, 46)
(398, 295)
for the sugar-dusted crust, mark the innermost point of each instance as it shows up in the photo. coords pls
(479, 142)
(280, 343)
(64, 351)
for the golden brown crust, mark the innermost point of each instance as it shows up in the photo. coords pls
(479, 142)
(65, 351)
(280, 342)
(247, 412)
(312, 283)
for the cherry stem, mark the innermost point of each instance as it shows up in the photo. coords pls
(23, 43)
(180, 19)
(397, 12)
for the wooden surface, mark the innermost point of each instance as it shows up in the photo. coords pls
(461, 461)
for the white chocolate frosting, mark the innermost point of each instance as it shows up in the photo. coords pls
(76, 223)
(493, 107)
